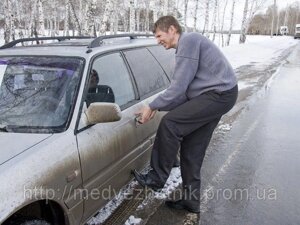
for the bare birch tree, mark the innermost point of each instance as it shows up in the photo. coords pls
(176, 8)
(231, 23)
(41, 29)
(166, 7)
(18, 18)
(74, 17)
(222, 22)
(115, 17)
(156, 7)
(138, 17)
(66, 20)
(12, 22)
(7, 23)
(186, 3)
(273, 18)
(214, 22)
(147, 16)
(243, 27)
(33, 17)
(206, 20)
(196, 15)
(132, 17)
(248, 16)
(106, 14)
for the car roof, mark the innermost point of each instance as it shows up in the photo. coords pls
(78, 47)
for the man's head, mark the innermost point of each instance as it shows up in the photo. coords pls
(94, 79)
(167, 31)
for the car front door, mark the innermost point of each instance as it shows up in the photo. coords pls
(109, 151)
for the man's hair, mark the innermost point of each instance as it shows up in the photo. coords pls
(164, 23)
(95, 74)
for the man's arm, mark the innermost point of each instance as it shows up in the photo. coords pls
(184, 73)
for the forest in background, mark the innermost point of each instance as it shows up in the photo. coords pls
(32, 18)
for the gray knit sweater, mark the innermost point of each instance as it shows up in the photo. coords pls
(200, 66)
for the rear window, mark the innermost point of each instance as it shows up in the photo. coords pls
(148, 74)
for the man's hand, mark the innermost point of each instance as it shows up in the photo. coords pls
(146, 114)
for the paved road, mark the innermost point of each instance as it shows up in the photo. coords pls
(252, 175)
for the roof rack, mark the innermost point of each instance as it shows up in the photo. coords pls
(59, 38)
(99, 40)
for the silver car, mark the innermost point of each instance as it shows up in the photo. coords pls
(68, 130)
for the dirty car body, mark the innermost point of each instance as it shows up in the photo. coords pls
(67, 148)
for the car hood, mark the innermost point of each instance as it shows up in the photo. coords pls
(12, 144)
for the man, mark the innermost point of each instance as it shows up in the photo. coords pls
(203, 88)
(97, 92)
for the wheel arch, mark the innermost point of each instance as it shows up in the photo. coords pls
(47, 210)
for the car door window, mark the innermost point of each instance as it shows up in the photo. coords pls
(113, 80)
(148, 74)
(166, 58)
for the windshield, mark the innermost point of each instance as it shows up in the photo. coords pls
(297, 28)
(37, 92)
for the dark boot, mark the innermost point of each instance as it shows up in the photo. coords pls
(145, 181)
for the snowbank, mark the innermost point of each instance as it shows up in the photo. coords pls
(259, 50)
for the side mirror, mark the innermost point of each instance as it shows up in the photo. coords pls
(102, 112)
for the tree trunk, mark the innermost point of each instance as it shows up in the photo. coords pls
(32, 24)
(106, 15)
(147, 20)
(18, 18)
(186, 2)
(12, 21)
(206, 20)
(196, 15)
(41, 29)
(231, 23)
(222, 25)
(214, 23)
(273, 18)
(138, 16)
(155, 10)
(131, 17)
(74, 17)
(116, 17)
(66, 20)
(7, 21)
(243, 27)
(91, 18)
(166, 7)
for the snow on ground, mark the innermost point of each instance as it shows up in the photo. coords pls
(259, 50)
(133, 221)
(107, 210)
(172, 183)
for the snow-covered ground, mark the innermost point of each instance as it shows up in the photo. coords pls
(257, 50)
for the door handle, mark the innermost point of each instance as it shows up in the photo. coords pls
(137, 120)
(72, 176)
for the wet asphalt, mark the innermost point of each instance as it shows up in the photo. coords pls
(251, 172)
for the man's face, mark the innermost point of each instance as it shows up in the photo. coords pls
(166, 39)
(93, 81)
